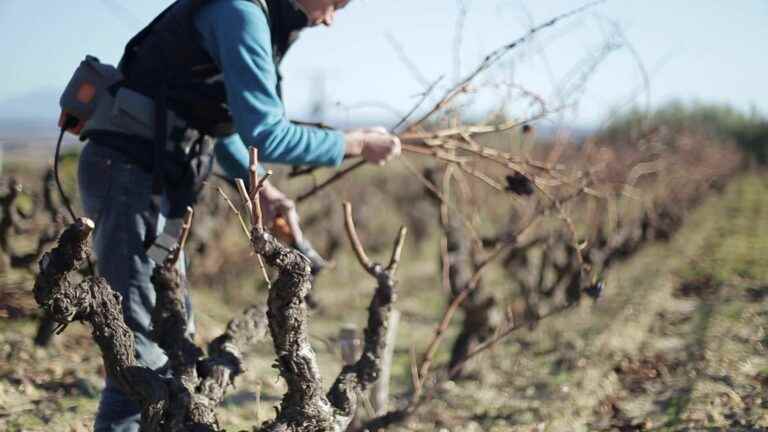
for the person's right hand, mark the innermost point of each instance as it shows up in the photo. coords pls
(375, 145)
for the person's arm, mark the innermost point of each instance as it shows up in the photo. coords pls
(232, 155)
(236, 35)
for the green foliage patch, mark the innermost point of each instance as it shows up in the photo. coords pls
(748, 131)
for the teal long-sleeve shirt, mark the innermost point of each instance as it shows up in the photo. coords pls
(236, 35)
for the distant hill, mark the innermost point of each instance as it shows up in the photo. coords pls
(25, 134)
(38, 104)
(30, 120)
(26, 127)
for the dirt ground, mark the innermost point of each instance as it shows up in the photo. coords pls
(678, 342)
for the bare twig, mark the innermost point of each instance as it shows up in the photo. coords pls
(397, 251)
(250, 200)
(489, 61)
(442, 327)
(493, 58)
(439, 196)
(406, 60)
(424, 96)
(255, 187)
(236, 211)
(173, 258)
(335, 178)
(245, 198)
(355, 378)
(357, 246)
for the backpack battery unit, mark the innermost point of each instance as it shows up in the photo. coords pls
(85, 90)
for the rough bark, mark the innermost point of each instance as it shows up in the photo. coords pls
(94, 302)
(169, 323)
(476, 327)
(380, 391)
(184, 402)
(461, 262)
(304, 406)
(356, 378)
(187, 400)
(9, 212)
(10, 223)
(224, 363)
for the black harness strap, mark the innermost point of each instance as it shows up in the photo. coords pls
(136, 39)
(160, 62)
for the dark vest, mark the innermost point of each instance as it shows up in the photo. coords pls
(167, 61)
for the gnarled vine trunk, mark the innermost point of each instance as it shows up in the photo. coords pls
(187, 401)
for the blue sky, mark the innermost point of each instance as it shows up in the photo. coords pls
(707, 50)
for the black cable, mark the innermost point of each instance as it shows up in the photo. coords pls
(69, 123)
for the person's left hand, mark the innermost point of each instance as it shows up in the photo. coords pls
(375, 145)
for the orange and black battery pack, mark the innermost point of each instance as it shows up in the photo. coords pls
(85, 89)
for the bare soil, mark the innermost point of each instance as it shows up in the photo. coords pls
(677, 343)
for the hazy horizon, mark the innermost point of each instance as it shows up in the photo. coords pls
(707, 53)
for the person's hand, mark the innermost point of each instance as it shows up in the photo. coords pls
(375, 145)
(276, 205)
(280, 214)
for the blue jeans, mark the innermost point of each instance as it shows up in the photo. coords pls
(116, 195)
